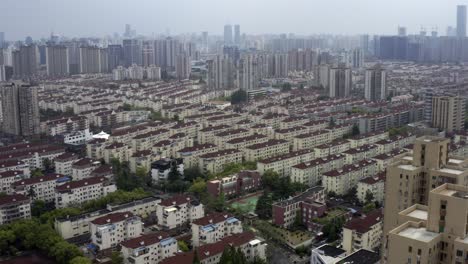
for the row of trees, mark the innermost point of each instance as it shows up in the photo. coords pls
(34, 235)
(236, 256)
(275, 188)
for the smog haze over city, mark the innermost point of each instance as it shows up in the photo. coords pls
(233, 132)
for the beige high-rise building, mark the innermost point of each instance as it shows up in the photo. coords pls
(433, 234)
(20, 109)
(410, 179)
(448, 112)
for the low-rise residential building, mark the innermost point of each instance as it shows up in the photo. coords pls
(363, 232)
(289, 133)
(141, 159)
(78, 192)
(149, 249)
(235, 185)
(147, 140)
(374, 185)
(339, 131)
(220, 139)
(326, 254)
(368, 138)
(15, 165)
(241, 143)
(246, 242)
(75, 227)
(14, 207)
(206, 135)
(340, 181)
(357, 154)
(82, 168)
(283, 164)
(316, 125)
(271, 148)
(215, 162)
(112, 229)
(95, 148)
(64, 163)
(311, 139)
(293, 122)
(310, 172)
(310, 204)
(335, 147)
(178, 211)
(385, 159)
(190, 155)
(188, 128)
(7, 178)
(40, 188)
(118, 151)
(395, 142)
(212, 228)
(160, 169)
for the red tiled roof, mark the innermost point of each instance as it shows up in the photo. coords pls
(10, 199)
(35, 180)
(212, 219)
(176, 200)
(112, 218)
(81, 183)
(145, 240)
(364, 224)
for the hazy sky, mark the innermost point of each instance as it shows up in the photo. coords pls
(37, 18)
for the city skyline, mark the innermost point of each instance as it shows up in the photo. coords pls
(156, 17)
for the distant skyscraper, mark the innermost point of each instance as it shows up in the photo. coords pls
(183, 66)
(340, 82)
(247, 77)
(461, 21)
(73, 49)
(128, 31)
(375, 88)
(401, 31)
(205, 40)
(25, 61)
(171, 48)
(20, 109)
(115, 56)
(237, 35)
(357, 58)
(220, 73)
(132, 51)
(93, 60)
(2, 39)
(228, 34)
(148, 53)
(57, 60)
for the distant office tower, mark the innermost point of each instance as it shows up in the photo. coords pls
(448, 113)
(2, 39)
(451, 32)
(461, 21)
(375, 88)
(237, 35)
(281, 65)
(135, 72)
(132, 51)
(128, 31)
(247, 76)
(115, 58)
(364, 44)
(357, 58)
(20, 109)
(401, 31)
(28, 40)
(322, 75)
(183, 66)
(171, 48)
(340, 82)
(232, 52)
(148, 53)
(153, 72)
(25, 61)
(6, 72)
(93, 60)
(57, 61)
(41, 51)
(205, 41)
(228, 34)
(119, 73)
(190, 48)
(73, 48)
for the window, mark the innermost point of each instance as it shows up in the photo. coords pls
(410, 249)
